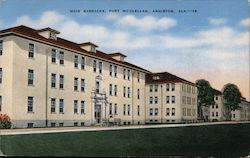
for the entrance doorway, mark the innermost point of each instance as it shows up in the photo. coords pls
(98, 113)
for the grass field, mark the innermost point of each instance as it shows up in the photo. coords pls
(216, 140)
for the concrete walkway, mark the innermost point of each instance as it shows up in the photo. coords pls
(101, 128)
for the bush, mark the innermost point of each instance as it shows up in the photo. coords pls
(5, 122)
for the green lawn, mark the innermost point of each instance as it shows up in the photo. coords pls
(217, 140)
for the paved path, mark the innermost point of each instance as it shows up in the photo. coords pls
(101, 128)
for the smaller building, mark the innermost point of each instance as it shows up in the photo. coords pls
(217, 111)
(170, 99)
(243, 113)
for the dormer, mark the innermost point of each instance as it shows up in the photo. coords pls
(118, 56)
(156, 77)
(88, 46)
(48, 33)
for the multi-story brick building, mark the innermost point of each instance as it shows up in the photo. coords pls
(170, 99)
(49, 81)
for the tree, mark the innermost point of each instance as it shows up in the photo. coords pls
(205, 96)
(231, 99)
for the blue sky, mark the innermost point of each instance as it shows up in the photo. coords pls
(212, 43)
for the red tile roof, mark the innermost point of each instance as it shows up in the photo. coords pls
(48, 29)
(165, 77)
(217, 92)
(117, 53)
(28, 32)
(87, 43)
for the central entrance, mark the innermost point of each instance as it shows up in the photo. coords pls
(98, 114)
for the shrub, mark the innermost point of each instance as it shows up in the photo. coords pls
(5, 122)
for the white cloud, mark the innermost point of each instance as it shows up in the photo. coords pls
(217, 21)
(47, 19)
(146, 23)
(245, 22)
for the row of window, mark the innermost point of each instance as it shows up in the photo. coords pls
(215, 114)
(54, 124)
(168, 100)
(155, 111)
(82, 61)
(1, 47)
(215, 106)
(189, 112)
(188, 100)
(169, 86)
(188, 88)
(1, 75)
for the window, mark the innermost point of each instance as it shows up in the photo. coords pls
(128, 92)
(76, 61)
(1, 47)
(53, 56)
(184, 111)
(30, 77)
(75, 124)
(115, 71)
(216, 114)
(138, 93)
(30, 104)
(110, 70)
(213, 107)
(151, 111)
(100, 67)
(124, 109)
(216, 97)
(31, 50)
(124, 91)
(156, 88)
(83, 62)
(75, 84)
(173, 111)
(30, 125)
(124, 74)
(216, 106)
(75, 106)
(138, 77)
(128, 74)
(138, 110)
(97, 87)
(0, 103)
(82, 123)
(53, 80)
(1, 75)
(128, 109)
(61, 124)
(94, 66)
(173, 87)
(167, 112)
(173, 99)
(82, 106)
(115, 109)
(115, 90)
(156, 100)
(151, 88)
(61, 84)
(110, 109)
(213, 114)
(82, 85)
(53, 105)
(110, 89)
(61, 105)
(151, 100)
(167, 87)
(156, 111)
(61, 58)
(167, 99)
